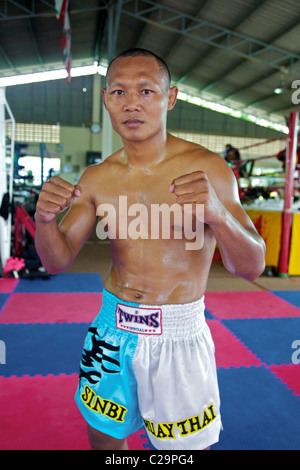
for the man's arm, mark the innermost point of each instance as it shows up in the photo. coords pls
(241, 248)
(58, 245)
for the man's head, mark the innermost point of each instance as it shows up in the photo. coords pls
(138, 52)
(138, 95)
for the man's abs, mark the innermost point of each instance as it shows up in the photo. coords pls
(159, 272)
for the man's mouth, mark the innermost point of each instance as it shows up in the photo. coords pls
(133, 123)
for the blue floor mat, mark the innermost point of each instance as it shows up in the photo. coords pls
(293, 297)
(258, 413)
(3, 299)
(69, 282)
(42, 349)
(269, 338)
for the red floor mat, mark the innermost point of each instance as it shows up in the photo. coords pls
(51, 308)
(246, 305)
(40, 414)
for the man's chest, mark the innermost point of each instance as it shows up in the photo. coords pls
(144, 209)
(146, 189)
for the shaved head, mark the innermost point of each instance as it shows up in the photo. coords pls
(137, 52)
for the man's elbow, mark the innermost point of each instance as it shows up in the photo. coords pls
(255, 273)
(52, 269)
(55, 267)
(251, 274)
(250, 269)
(258, 268)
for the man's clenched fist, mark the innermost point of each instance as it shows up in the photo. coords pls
(56, 196)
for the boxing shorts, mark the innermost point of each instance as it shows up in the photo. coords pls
(153, 366)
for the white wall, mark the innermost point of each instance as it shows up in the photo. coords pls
(75, 142)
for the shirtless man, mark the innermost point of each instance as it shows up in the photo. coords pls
(149, 357)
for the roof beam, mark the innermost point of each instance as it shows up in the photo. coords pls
(238, 44)
(286, 109)
(15, 9)
(179, 39)
(101, 35)
(7, 60)
(211, 50)
(242, 62)
(261, 100)
(250, 85)
(114, 15)
(35, 45)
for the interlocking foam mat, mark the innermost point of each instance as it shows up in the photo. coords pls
(43, 324)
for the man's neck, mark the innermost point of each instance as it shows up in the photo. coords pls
(147, 153)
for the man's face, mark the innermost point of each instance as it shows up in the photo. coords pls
(137, 97)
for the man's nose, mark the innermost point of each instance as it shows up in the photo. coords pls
(132, 102)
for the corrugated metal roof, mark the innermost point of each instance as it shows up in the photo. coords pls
(209, 45)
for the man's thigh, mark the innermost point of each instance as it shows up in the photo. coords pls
(101, 441)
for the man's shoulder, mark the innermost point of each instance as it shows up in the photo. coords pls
(101, 169)
(197, 153)
(195, 157)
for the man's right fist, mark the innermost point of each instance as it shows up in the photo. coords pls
(56, 196)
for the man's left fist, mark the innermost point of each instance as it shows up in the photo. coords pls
(195, 188)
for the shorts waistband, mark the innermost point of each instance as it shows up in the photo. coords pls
(176, 320)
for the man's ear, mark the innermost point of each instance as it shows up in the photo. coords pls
(173, 92)
(103, 92)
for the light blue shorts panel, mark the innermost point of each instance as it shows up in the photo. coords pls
(107, 391)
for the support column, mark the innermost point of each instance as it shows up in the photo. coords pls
(6, 179)
(107, 130)
(290, 165)
(3, 178)
(95, 138)
(107, 134)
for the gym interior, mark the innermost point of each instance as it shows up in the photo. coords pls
(237, 68)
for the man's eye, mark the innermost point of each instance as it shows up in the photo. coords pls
(146, 92)
(118, 92)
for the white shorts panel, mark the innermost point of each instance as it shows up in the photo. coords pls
(178, 389)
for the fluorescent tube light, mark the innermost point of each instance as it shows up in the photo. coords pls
(229, 111)
(59, 74)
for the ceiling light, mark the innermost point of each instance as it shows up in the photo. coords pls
(36, 77)
(229, 111)
(281, 89)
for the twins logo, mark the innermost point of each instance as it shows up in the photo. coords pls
(139, 320)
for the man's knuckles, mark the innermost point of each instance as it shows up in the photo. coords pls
(202, 198)
(56, 199)
(66, 192)
(196, 187)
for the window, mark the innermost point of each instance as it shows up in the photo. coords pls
(32, 168)
(35, 133)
